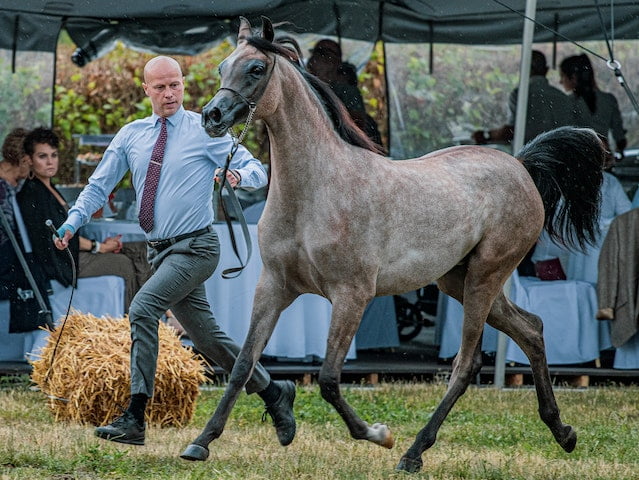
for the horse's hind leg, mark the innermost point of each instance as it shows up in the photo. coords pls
(348, 309)
(466, 365)
(526, 330)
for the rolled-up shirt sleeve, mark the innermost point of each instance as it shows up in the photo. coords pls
(251, 169)
(101, 183)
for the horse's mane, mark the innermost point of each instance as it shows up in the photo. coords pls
(288, 48)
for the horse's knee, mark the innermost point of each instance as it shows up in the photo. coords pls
(329, 387)
(465, 371)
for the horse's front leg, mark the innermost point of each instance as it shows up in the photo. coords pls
(268, 304)
(346, 317)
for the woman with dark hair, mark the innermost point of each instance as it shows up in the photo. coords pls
(591, 107)
(40, 200)
(23, 310)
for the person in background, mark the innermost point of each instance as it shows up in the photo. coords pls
(548, 108)
(326, 64)
(590, 107)
(14, 168)
(173, 162)
(40, 201)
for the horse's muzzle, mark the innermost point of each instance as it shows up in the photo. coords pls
(221, 113)
(212, 122)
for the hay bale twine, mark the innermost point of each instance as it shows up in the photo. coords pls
(90, 378)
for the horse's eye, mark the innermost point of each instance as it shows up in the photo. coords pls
(257, 69)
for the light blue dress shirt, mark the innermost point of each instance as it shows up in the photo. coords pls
(183, 201)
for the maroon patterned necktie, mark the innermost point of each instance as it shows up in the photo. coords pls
(152, 178)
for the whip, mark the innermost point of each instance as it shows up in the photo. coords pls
(49, 224)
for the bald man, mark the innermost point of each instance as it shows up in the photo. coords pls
(183, 248)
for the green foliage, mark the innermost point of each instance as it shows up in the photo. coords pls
(25, 96)
(468, 89)
(108, 93)
(463, 92)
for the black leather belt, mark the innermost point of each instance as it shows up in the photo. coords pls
(160, 245)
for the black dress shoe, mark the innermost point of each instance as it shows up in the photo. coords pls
(281, 411)
(124, 429)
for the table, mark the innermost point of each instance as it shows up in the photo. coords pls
(99, 296)
(101, 228)
(302, 329)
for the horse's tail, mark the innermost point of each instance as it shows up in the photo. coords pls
(566, 165)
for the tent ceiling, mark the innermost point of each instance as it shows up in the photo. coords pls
(188, 27)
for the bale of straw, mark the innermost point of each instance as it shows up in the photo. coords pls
(89, 381)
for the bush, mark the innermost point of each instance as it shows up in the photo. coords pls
(468, 89)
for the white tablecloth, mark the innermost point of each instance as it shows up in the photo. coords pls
(567, 308)
(302, 330)
(99, 296)
(99, 229)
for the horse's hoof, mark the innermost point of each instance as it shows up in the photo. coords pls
(381, 435)
(195, 452)
(570, 439)
(410, 465)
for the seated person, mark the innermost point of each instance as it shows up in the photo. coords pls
(40, 200)
(24, 312)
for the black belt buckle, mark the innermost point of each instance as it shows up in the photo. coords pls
(155, 243)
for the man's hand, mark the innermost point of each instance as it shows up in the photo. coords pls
(64, 234)
(112, 244)
(233, 177)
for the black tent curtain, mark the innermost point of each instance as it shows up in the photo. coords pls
(194, 25)
(191, 27)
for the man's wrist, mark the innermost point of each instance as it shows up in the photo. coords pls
(63, 229)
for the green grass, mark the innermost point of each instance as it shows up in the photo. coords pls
(489, 435)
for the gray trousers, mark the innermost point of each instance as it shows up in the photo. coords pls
(179, 273)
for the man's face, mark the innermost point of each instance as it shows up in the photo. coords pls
(164, 85)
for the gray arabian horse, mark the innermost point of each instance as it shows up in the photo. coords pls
(344, 222)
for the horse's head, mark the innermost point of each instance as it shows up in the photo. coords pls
(244, 77)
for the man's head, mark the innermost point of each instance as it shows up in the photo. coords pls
(164, 85)
(325, 59)
(13, 147)
(538, 64)
(327, 48)
(13, 154)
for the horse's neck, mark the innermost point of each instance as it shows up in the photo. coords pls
(304, 144)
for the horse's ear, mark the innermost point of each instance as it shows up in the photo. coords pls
(267, 29)
(245, 29)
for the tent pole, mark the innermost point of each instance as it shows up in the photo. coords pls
(518, 142)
